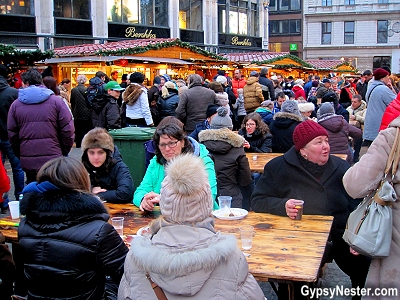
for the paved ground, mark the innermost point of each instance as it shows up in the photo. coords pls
(332, 276)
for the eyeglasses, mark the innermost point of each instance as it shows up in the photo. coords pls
(169, 144)
(250, 124)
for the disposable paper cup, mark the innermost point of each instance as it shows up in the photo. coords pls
(299, 206)
(14, 209)
(225, 204)
(118, 223)
(246, 236)
(254, 157)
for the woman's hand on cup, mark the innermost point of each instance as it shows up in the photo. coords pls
(246, 144)
(97, 189)
(149, 200)
(291, 209)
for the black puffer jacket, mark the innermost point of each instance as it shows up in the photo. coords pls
(261, 143)
(106, 112)
(68, 246)
(282, 127)
(7, 96)
(230, 162)
(166, 106)
(79, 105)
(117, 181)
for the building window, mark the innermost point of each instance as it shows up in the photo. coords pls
(349, 32)
(238, 17)
(326, 2)
(284, 5)
(145, 12)
(72, 9)
(190, 16)
(273, 5)
(382, 31)
(284, 27)
(381, 61)
(326, 38)
(17, 7)
(349, 2)
(383, 1)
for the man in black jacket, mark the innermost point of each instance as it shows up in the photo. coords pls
(7, 96)
(266, 85)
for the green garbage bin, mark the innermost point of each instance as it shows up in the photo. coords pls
(129, 141)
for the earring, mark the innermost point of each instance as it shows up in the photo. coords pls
(305, 156)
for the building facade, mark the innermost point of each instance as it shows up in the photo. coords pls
(221, 26)
(363, 32)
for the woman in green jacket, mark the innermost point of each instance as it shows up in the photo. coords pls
(170, 140)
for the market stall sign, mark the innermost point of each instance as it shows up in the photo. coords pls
(245, 42)
(293, 47)
(136, 32)
(121, 62)
(131, 32)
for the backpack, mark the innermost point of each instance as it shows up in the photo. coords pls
(91, 92)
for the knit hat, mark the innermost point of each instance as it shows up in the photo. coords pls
(267, 103)
(185, 191)
(222, 119)
(290, 106)
(305, 132)
(136, 77)
(305, 107)
(166, 77)
(299, 81)
(221, 79)
(254, 74)
(157, 80)
(329, 97)
(3, 71)
(98, 138)
(211, 109)
(326, 80)
(325, 109)
(380, 73)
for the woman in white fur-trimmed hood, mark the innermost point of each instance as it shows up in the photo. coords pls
(185, 256)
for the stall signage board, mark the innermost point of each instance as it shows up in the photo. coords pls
(137, 32)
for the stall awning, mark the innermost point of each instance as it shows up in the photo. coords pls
(114, 58)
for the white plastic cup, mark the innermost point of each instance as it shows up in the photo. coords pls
(255, 157)
(118, 223)
(14, 209)
(246, 236)
(225, 205)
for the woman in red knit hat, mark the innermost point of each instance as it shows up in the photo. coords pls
(308, 172)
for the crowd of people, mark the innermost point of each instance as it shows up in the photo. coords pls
(198, 152)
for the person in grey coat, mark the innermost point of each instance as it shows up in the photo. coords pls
(184, 255)
(193, 103)
(378, 97)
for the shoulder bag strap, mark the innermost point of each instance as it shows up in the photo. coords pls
(394, 156)
(157, 290)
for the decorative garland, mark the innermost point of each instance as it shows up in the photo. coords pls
(158, 46)
(290, 56)
(9, 54)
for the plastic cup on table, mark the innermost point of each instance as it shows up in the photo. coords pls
(118, 223)
(225, 205)
(246, 236)
(299, 206)
(14, 209)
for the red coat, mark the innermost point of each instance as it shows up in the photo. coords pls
(4, 181)
(298, 92)
(237, 84)
(391, 113)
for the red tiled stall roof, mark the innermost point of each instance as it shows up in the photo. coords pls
(252, 56)
(91, 49)
(325, 64)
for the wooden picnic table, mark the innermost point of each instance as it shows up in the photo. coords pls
(284, 250)
(257, 161)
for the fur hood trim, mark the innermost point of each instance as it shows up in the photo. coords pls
(285, 115)
(132, 94)
(223, 134)
(162, 259)
(222, 98)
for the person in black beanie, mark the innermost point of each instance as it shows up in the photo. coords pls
(210, 114)
(48, 72)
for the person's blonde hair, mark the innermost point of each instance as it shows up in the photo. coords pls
(66, 173)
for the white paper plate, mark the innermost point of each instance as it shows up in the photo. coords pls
(239, 213)
(144, 231)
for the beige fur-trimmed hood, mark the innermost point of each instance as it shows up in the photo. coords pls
(132, 94)
(223, 134)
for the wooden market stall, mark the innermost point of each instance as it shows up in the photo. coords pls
(152, 57)
(277, 62)
(338, 67)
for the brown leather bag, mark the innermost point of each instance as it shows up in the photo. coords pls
(157, 290)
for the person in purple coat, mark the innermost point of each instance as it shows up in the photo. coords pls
(40, 125)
